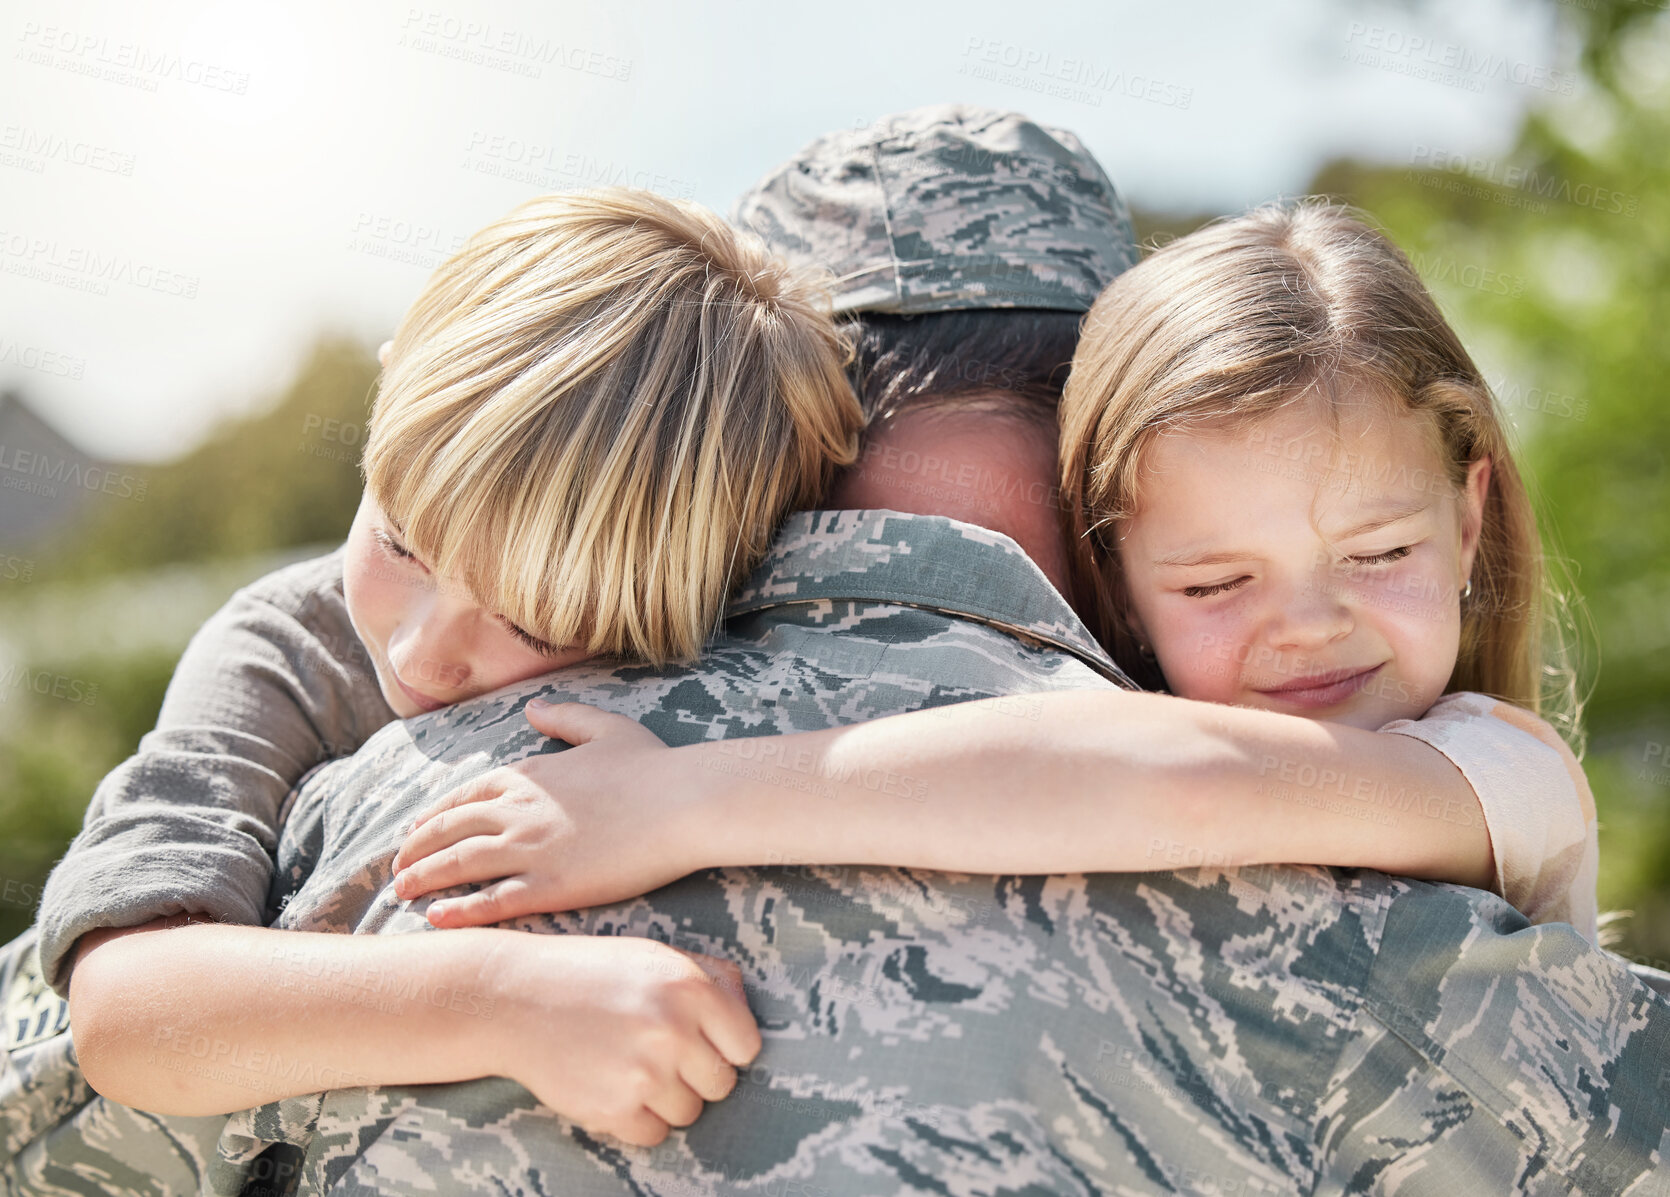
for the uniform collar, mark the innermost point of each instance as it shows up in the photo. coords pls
(918, 561)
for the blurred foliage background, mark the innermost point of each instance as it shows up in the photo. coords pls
(1553, 261)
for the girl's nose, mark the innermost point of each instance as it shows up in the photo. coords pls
(1312, 616)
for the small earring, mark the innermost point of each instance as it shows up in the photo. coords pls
(1146, 652)
(1467, 590)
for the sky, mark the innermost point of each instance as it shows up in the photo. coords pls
(191, 192)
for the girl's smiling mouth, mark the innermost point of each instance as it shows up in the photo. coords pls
(1323, 689)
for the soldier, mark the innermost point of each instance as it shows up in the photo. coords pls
(1208, 1030)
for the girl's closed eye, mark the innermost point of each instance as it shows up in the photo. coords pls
(1369, 564)
(1215, 588)
(400, 552)
(1385, 558)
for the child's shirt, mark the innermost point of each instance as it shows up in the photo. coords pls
(276, 682)
(1537, 805)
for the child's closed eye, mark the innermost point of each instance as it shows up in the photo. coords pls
(1385, 558)
(1215, 588)
(400, 552)
(529, 639)
(393, 547)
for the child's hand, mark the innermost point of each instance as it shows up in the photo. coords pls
(555, 832)
(626, 1036)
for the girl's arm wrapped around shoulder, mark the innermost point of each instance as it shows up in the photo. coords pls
(1102, 781)
(1062, 782)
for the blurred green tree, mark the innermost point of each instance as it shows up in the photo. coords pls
(286, 477)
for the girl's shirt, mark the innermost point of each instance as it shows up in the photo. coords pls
(276, 682)
(1537, 805)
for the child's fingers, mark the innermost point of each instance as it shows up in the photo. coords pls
(676, 1104)
(481, 789)
(580, 723)
(727, 1021)
(734, 1034)
(507, 899)
(707, 1072)
(479, 858)
(723, 973)
(447, 829)
(643, 1129)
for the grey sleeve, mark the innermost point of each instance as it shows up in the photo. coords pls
(274, 683)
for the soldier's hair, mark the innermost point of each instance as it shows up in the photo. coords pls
(956, 359)
(1288, 303)
(597, 412)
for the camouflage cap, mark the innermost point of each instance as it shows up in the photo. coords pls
(948, 207)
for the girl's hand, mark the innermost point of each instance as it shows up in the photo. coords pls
(555, 832)
(626, 1036)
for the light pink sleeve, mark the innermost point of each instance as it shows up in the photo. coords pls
(1536, 802)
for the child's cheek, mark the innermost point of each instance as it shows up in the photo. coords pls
(1203, 653)
(373, 603)
(1419, 592)
(1416, 610)
(358, 588)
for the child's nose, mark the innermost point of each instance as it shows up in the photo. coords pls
(1312, 617)
(431, 657)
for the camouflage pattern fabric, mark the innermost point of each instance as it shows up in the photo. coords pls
(1253, 1031)
(937, 1034)
(1271, 1030)
(60, 1138)
(948, 207)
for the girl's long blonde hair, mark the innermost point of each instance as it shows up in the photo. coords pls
(1248, 314)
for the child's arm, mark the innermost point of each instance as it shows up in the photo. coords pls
(623, 1034)
(1114, 781)
(275, 682)
(1074, 781)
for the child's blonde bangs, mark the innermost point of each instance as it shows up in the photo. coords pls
(479, 527)
(596, 416)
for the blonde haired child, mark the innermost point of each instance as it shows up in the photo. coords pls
(1294, 505)
(596, 414)
(589, 425)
